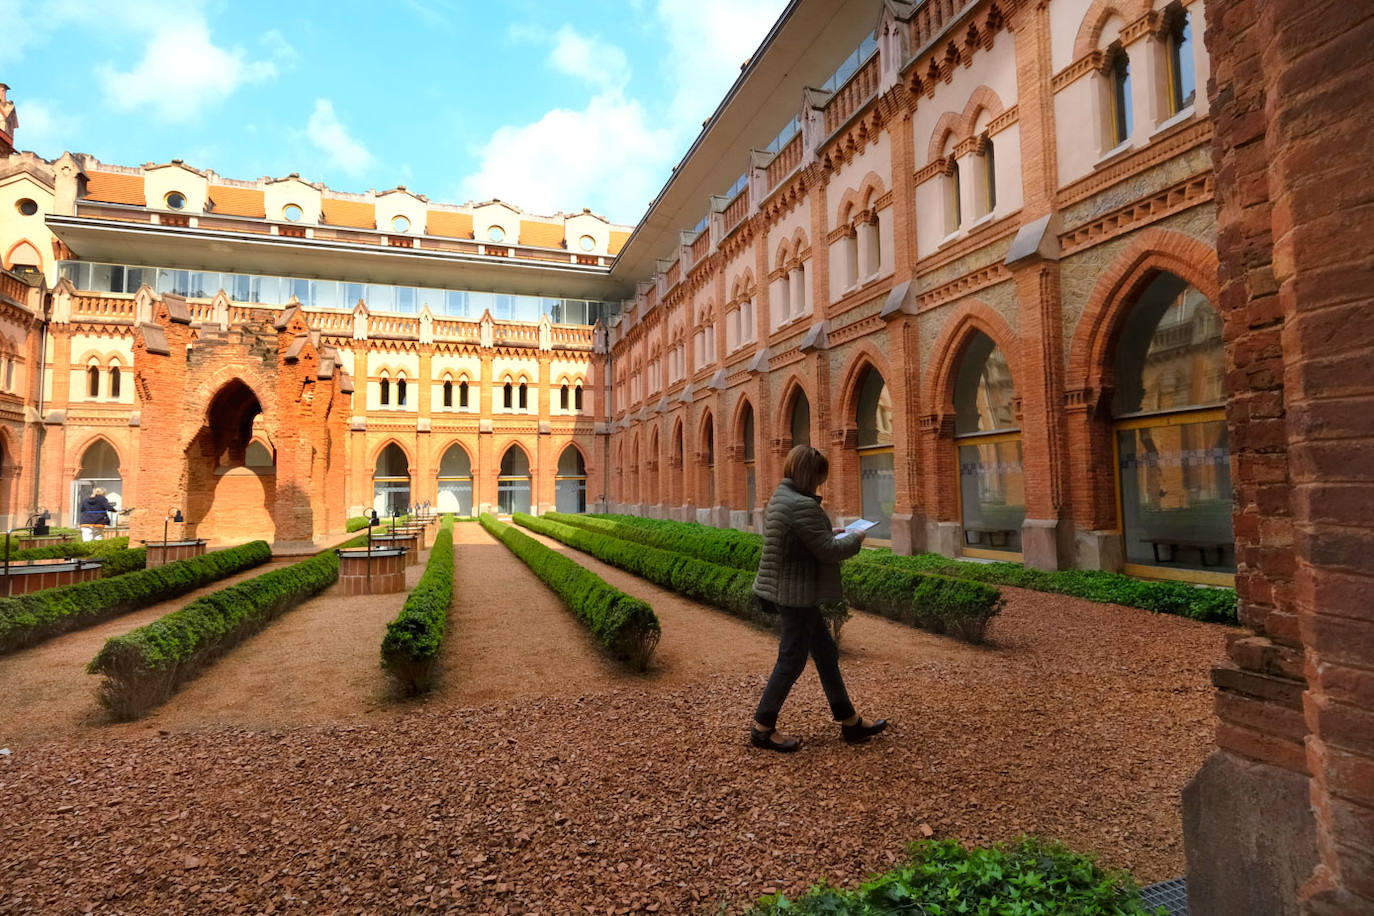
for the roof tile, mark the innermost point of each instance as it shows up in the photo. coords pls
(353, 213)
(540, 234)
(237, 201)
(617, 241)
(115, 188)
(448, 223)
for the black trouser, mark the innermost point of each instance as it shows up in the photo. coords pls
(804, 632)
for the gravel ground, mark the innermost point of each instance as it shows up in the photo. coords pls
(540, 779)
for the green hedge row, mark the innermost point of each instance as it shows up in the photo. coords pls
(70, 549)
(734, 549)
(953, 607)
(1213, 605)
(731, 590)
(53, 531)
(31, 618)
(1027, 878)
(145, 665)
(410, 647)
(626, 626)
(356, 523)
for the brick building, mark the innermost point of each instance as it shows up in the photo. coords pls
(1050, 282)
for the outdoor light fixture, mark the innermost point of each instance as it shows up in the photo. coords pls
(173, 515)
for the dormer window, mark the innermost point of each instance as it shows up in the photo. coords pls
(292, 213)
(496, 234)
(400, 224)
(587, 243)
(175, 200)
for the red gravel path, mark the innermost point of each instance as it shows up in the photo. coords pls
(559, 782)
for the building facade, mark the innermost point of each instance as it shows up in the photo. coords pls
(978, 268)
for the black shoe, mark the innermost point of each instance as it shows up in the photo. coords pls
(861, 731)
(763, 738)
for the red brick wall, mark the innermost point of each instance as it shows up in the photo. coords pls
(1294, 159)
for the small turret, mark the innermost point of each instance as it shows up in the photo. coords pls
(9, 121)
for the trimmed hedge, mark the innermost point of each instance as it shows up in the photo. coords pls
(356, 523)
(411, 644)
(954, 607)
(1027, 878)
(626, 626)
(114, 554)
(31, 618)
(731, 590)
(144, 666)
(714, 545)
(1212, 605)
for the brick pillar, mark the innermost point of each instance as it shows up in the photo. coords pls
(488, 463)
(1281, 817)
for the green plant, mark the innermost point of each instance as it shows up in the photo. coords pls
(31, 618)
(1029, 877)
(626, 626)
(356, 523)
(939, 604)
(70, 549)
(410, 648)
(142, 667)
(735, 549)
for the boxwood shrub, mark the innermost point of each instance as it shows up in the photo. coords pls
(714, 545)
(1212, 605)
(955, 607)
(70, 549)
(731, 590)
(28, 619)
(1027, 878)
(144, 666)
(410, 648)
(626, 626)
(356, 523)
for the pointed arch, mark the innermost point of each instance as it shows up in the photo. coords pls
(865, 356)
(982, 99)
(948, 124)
(1095, 20)
(1151, 253)
(78, 453)
(971, 317)
(377, 452)
(23, 252)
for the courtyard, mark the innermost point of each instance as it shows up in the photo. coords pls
(541, 777)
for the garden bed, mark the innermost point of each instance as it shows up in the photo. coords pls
(410, 648)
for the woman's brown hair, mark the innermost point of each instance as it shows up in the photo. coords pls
(807, 468)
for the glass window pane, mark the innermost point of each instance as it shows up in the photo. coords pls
(240, 287)
(297, 287)
(136, 277)
(269, 291)
(455, 496)
(1176, 496)
(391, 497)
(381, 297)
(482, 302)
(456, 303)
(353, 293)
(107, 278)
(983, 389)
(326, 294)
(177, 282)
(434, 298)
(1171, 353)
(992, 494)
(875, 411)
(405, 299)
(801, 421)
(570, 495)
(204, 284)
(878, 484)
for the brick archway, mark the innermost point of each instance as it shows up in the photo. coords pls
(735, 452)
(793, 388)
(843, 487)
(706, 445)
(677, 461)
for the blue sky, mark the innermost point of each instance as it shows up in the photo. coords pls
(546, 104)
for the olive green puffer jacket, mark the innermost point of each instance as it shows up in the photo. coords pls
(800, 562)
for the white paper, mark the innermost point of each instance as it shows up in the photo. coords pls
(859, 526)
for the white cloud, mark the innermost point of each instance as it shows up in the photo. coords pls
(598, 63)
(330, 137)
(708, 40)
(607, 156)
(183, 71)
(44, 129)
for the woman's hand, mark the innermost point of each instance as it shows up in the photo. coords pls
(837, 531)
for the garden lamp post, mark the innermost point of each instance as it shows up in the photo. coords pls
(371, 521)
(173, 515)
(37, 524)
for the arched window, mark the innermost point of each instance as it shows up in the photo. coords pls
(953, 214)
(987, 440)
(989, 176)
(524, 396)
(114, 381)
(709, 465)
(391, 481)
(877, 474)
(870, 248)
(507, 399)
(513, 485)
(455, 481)
(1179, 47)
(1172, 448)
(570, 485)
(463, 393)
(577, 398)
(93, 381)
(800, 419)
(401, 392)
(563, 397)
(1119, 96)
(750, 478)
(851, 257)
(384, 398)
(448, 393)
(9, 373)
(99, 468)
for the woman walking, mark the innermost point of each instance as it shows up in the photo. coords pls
(799, 570)
(95, 514)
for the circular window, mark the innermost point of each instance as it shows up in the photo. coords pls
(586, 243)
(291, 213)
(400, 224)
(175, 200)
(27, 206)
(496, 234)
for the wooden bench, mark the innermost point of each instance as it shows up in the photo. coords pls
(1202, 547)
(997, 537)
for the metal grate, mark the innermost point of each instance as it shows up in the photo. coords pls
(1172, 895)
